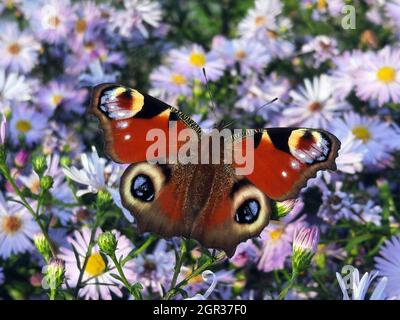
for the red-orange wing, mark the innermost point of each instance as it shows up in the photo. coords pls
(126, 116)
(285, 158)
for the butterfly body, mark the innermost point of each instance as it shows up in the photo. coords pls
(211, 201)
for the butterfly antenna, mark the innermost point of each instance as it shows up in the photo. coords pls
(258, 109)
(213, 108)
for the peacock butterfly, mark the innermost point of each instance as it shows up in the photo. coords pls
(209, 202)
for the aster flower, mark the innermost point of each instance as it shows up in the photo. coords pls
(93, 174)
(260, 19)
(97, 276)
(344, 75)
(51, 19)
(144, 12)
(379, 77)
(13, 87)
(60, 138)
(322, 47)
(87, 20)
(360, 287)
(336, 204)
(378, 137)
(59, 94)
(368, 213)
(313, 104)
(191, 61)
(19, 50)
(246, 252)
(254, 93)
(97, 75)
(251, 55)
(276, 240)
(351, 155)
(17, 229)
(392, 10)
(28, 123)
(388, 265)
(170, 83)
(155, 269)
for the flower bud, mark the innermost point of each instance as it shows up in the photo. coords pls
(20, 158)
(103, 199)
(46, 183)
(282, 209)
(305, 245)
(39, 164)
(55, 273)
(107, 242)
(42, 245)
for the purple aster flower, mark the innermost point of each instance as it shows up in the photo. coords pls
(61, 95)
(27, 123)
(51, 20)
(323, 48)
(344, 75)
(313, 104)
(99, 282)
(170, 83)
(388, 265)
(379, 77)
(19, 49)
(276, 240)
(378, 137)
(191, 61)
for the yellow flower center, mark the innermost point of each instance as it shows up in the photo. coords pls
(321, 4)
(276, 234)
(177, 78)
(197, 59)
(260, 21)
(95, 265)
(194, 280)
(80, 26)
(11, 224)
(14, 48)
(386, 74)
(23, 126)
(240, 54)
(54, 21)
(56, 99)
(362, 133)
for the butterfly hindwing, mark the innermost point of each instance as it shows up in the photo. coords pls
(285, 158)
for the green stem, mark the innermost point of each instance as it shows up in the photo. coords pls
(174, 291)
(134, 253)
(288, 286)
(136, 293)
(178, 264)
(53, 293)
(87, 255)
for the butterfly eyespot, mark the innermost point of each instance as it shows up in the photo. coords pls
(142, 188)
(248, 211)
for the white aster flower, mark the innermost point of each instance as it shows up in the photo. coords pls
(360, 287)
(379, 77)
(17, 229)
(313, 104)
(18, 49)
